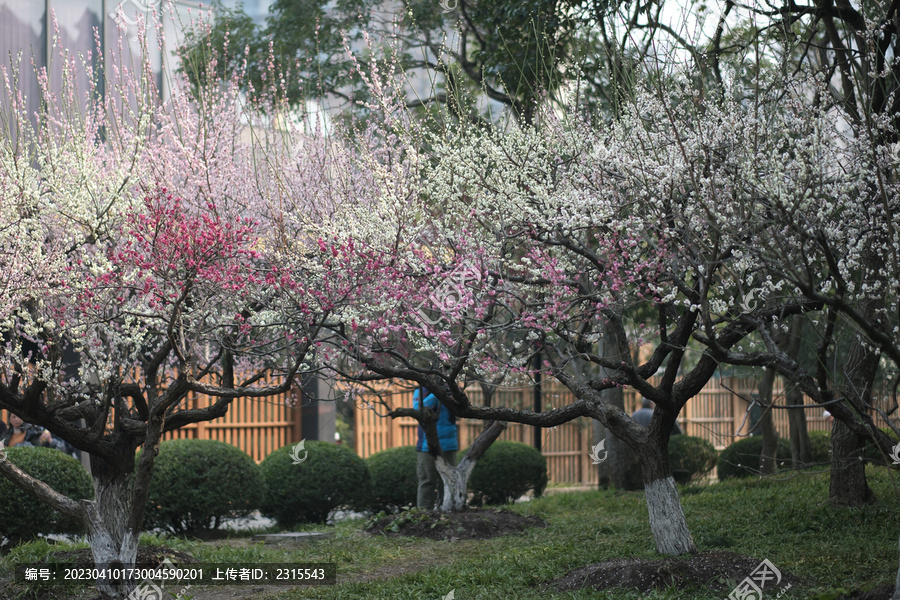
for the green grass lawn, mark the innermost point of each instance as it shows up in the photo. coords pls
(786, 519)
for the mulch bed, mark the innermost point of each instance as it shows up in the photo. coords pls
(471, 524)
(718, 571)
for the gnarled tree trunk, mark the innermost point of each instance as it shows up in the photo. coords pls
(110, 528)
(456, 478)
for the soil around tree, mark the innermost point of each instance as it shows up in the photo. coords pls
(718, 571)
(471, 524)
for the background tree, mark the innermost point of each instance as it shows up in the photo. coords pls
(547, 238)
(507, 55)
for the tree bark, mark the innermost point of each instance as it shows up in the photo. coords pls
(111, 532)
(767, 457)
(108, 518)
(849, 486)
(456, 478)
(621, 470)
(667, 522)
(848, 469)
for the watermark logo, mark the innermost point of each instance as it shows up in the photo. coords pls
(296, 450)
(450, 294)
(150, 590)
(143, 6)
(748, 304)
(146, 590)
(595, 452)
(751, 588)
(450, 596)
(448, 7)
(895, 454)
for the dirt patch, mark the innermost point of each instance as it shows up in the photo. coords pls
(472, 524)
(147, 555)
(718, 571)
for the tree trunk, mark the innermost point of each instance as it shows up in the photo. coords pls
(667, 522)
(456, 482)
(112, 538)
(767, 457)
(799, 436)
(109, 518)
(621, 470)
(456, 478)
(848, 470)
(800, 451)
(849, 486)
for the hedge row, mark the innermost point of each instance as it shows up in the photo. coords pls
(198, 484)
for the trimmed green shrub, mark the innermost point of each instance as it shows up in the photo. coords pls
(394, 481)
(330, 477)
(506, 471)
(22, 516)
(741, 459)
(198, 484)
(692, 456)
(820, 447)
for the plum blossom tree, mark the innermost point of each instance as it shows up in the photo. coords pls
(137, 269)
(500, 243)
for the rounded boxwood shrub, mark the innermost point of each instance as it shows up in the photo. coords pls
(198, 484)
(691, 456)
(506, 471)
(394, 481)
(819, 447)
(741, 459)
(22, 516)
(330, 477)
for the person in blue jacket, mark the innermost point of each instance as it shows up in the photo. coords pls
(430, 487)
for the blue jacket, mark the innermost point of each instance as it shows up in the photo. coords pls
(446, 425)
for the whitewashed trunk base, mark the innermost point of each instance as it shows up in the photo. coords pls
(456, 483)
(113, 543)
(667, 522)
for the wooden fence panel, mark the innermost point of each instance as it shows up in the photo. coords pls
(258, 426)
(718, 414)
